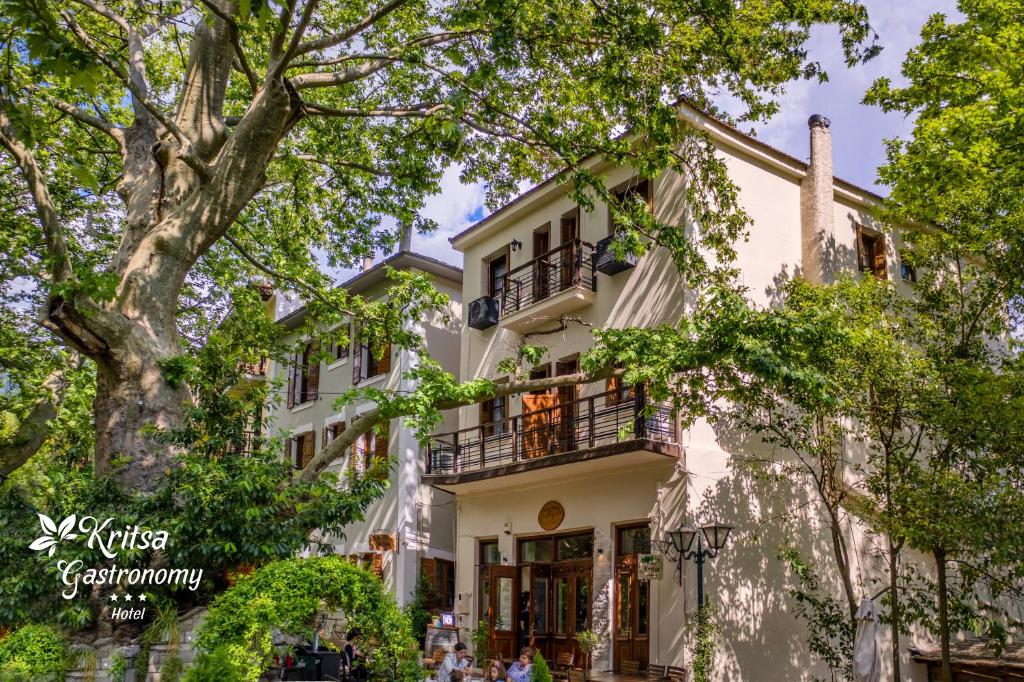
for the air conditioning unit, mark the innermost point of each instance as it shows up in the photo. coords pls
(483, 312)
(607, 263)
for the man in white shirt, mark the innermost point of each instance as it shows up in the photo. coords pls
(453, 660)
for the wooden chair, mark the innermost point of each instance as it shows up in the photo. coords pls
(676, 674)
(630, 667)
(563, 664)
(655, 672)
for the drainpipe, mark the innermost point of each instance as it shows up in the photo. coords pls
(816, 220)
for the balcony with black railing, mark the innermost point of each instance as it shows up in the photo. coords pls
(587, 429)
(556, 282)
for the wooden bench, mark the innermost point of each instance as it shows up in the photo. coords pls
(676, 674)
(655, 672)
(563, 664)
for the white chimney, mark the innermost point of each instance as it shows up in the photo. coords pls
(817, 222)
(367, 262)
(406, 242)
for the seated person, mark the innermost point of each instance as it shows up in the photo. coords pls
(457, 676)
(353, 659)
(454, 660)
(495, 672)
(522, 669)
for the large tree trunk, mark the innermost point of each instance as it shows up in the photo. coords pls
(132, 399)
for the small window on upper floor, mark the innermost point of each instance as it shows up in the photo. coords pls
(496, 269)
(341, 349)
(365, 363)
(626, 192)
(304, 376)
(908, 273)
(871, 252)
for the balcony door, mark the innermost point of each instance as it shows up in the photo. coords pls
(569, 255)
(542, 271)
(570, 596)
(565, 414)
(538, 407)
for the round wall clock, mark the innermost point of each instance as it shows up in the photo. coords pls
(551, 515)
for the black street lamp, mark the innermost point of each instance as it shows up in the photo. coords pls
(677, 549)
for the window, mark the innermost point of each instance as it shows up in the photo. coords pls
(617, 391)
(536, 550)
(341, 349)
(492, 415)
(440, 574)
(871, 252)
(304, 376)
(625, 194)
(365, 363)
(908, 273)
(576, 547)
(489, 553)
(496, 269)
(299, 449)
(371, 446)
(332, 431)
(635, 540)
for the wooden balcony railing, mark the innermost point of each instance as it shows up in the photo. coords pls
(569, 265)
(582, 424)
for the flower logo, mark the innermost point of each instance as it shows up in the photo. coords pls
(51, 529)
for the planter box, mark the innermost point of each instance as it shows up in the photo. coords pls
(607, 263)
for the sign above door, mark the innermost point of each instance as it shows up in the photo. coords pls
(551, 515)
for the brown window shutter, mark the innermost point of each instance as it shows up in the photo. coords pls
(862, 255)
(378, 565)
(613, 385)
(384, 366)
(313, 369)
(291, 385)
(323, 437)
(878, 264)
(308, 443)
(357, 355)
(382, 437)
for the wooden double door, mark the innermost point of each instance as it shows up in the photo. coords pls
(543, 605)
(632, 597)
(549, 416)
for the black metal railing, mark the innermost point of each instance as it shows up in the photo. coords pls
(563, 267)
(582, 424)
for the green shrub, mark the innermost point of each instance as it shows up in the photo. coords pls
(541, 672)
(287, 595)
(217, 665)
(703, 648)
(33, 652)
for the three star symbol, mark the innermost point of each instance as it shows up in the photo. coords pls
(128, 597)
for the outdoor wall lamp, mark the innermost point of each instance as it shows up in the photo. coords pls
(516, 245)
(678, 547)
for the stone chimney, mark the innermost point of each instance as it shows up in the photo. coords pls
(816, 220)
(367, 262)
(406, 242)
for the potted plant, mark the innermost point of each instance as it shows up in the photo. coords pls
(481, 637)
(588, 641)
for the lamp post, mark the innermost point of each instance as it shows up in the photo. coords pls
(677, 549)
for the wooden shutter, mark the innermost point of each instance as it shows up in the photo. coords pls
(378, 565)
(291, 384)
(357, 355)
(323, 437)
(878, 264)
(613, 385)
(308, 443)
(289, 445)
(384, 366)
(313, 372)
(862, 255)
(380, 447)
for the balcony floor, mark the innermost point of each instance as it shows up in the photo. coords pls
(627, 454)
(550, 309)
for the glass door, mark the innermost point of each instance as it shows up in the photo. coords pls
(502, 612)
(632, 596)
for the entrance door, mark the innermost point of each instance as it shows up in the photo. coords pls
(502, 612)
(539, 635)
(632, 596)
(570, 594)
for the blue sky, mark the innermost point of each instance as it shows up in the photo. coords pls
(858, 131)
